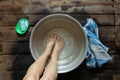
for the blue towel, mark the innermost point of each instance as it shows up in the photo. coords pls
(97, 52)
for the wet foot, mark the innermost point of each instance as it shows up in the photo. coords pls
(50, 42)
(59, 45)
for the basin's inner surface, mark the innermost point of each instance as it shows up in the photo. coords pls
(74, 38)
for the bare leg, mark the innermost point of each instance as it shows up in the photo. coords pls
(36, 69)
(51, 69)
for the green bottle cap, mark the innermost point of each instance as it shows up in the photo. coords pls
(22, 26)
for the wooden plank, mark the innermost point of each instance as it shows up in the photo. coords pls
(76, 74)
(114, 64)
(100, 19)
(11, 19)
(14, 48)
(53, 6)
(112, 47)
(117, 36)
(117, 20)
(22, 62)
(105, 33)
(117, 6)
(90, 75)
(23, 48)
(80, 6)
(17, 6)
(6, 20)
(81, 73)
(117, 29)
(15, 62)
(6, 33)
(93, 0)
(117, 23)
(12, 75)
(12, 6)
(75, 2)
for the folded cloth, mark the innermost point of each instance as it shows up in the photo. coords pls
(97, 52)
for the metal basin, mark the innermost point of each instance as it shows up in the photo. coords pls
(70, 30)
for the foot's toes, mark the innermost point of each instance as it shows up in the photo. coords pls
(59, 44)
(58, 38)
(60, 41)
(54, 36)
(51, 37)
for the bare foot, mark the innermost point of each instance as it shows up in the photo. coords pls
(59, 44)
(50, 42)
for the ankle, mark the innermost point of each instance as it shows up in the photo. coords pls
(30, 77)
(48, 51)
(55, 55)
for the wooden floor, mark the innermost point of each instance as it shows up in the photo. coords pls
(15, 56)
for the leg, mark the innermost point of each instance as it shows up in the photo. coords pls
(36, 69)
(51, 69)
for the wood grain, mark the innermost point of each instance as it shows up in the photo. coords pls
(23, 48)
(83, 74)
(8, 34)
(15, 62)
(46, 6)
(117, 36)
(6, 20)
(15, 48)
(12, 75)
(117, 23)
(90, 75)
(22, 62)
